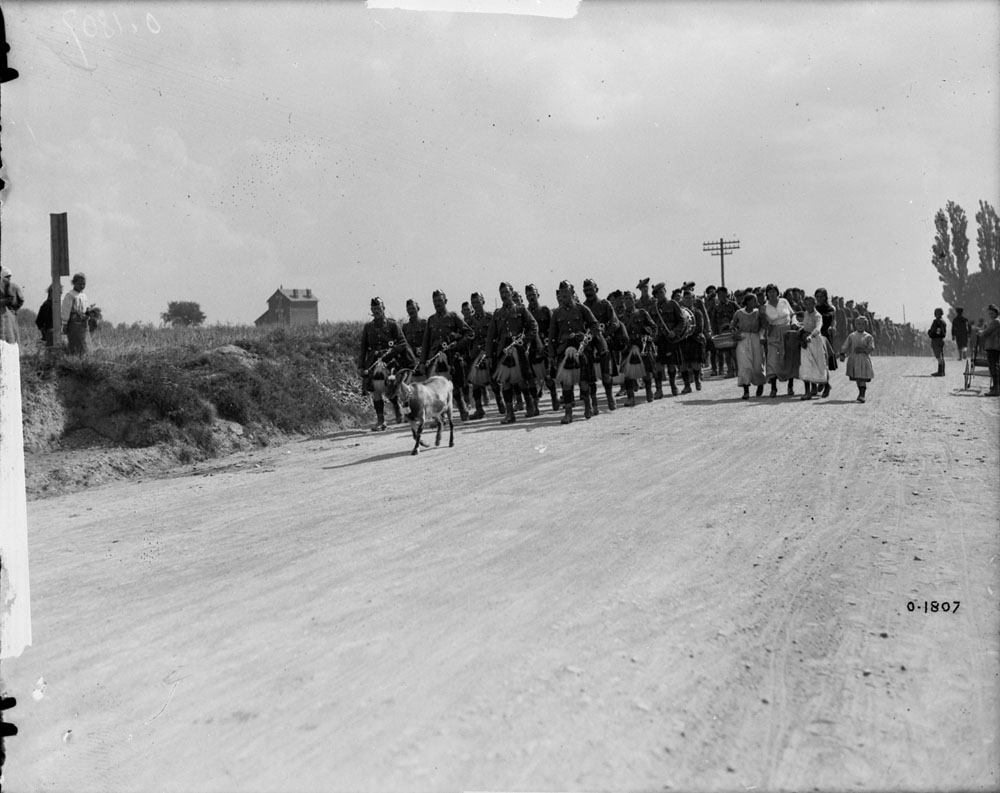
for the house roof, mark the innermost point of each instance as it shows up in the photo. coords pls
(297, 295)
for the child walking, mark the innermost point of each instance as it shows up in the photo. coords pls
(857, 349)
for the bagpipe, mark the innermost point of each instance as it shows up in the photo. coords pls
(508, 369)
(568, 374)
(379, 365)
(640, 360)
(438, 363)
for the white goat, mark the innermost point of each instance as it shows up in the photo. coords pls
(428, 400)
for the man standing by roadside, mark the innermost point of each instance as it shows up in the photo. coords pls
(11, 300)
(960, 328)
(938, 332)
(76, 327)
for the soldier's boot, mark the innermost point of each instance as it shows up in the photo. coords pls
(940, 371)
(630, 393)
(529, 403)
(686, 376)
(463, 411)
(555, 397)
(593, 400)
(673, 383)
(568, 406)
(585, 398)
(398, 414)
(379, 406)
(501, 407)
(508, 399)
(697, 379)
(648, 383)
(478, 395)
(609, 392)
(659, 386)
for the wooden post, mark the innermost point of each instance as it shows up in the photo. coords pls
(15, 597)
(60, 267)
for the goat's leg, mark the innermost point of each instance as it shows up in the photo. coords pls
(451, 429)
(416, 435)
(440, 426)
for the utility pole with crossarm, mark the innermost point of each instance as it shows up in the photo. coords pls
(720, 249)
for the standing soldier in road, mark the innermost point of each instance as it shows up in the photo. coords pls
(611, 327)
(383, 349)
(692, 348)
(722, 314)
(571, 320)
(670, 322)
(960, 327)
(938, 331)
(512, 331)
(641, 329)
(538, 355)
(480, 373)
(448, 335)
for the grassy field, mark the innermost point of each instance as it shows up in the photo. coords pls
(141, 385)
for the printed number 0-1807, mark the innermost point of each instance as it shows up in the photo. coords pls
(933, 606)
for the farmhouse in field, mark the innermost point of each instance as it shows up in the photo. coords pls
(290, 307)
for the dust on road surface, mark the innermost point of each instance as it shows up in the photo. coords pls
(698, 593)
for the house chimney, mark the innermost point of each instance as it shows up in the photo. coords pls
(295, 293)
(309, 293)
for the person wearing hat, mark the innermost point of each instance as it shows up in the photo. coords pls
(76, 327)
(538, 355)
(43, 319)
(960, 327)
(478, 373)
(640, 361)
(383, 350)
(670, 328)
(937, 332)
(614, 335)
(447, 333)
(990, 340)
(721, 314)
(645, 300)
(11, 300)
(512, 330)
(571, 321)
(692, 346)
(414, 327)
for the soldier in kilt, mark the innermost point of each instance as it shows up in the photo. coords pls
(615, 337)
(670, 328)
(575, 340)
(640, 361)
(692, 348)
(645, 300)
(446, 339)
(722, 314)
(479, 373)
(512, 331)
(538, 354)
(383, 350)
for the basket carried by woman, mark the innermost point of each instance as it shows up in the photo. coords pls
(725, 341)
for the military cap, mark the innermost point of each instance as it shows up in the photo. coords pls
(565, 286)
(439, 293)
(377, 301)
(642, 282)
(688, 285)
(411, 303)
(531, 288)
(627, 293)
(504, 284)
(589, 282)
(660, 287)
(478, 296)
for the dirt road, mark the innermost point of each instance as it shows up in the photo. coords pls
(698, 593)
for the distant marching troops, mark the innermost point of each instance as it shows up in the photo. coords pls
(522, 350)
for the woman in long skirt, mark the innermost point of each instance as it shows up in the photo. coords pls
(777, 314)
(813, 362)
(857, 348)
(749, 354)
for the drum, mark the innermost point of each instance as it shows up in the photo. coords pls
(724, 341)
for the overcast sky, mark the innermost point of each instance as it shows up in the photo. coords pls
(212, 152)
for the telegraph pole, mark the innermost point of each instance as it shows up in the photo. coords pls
(720, 249)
